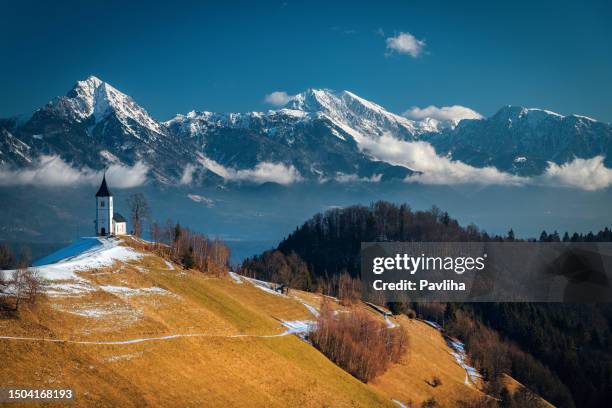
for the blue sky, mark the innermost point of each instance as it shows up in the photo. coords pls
(179, 56)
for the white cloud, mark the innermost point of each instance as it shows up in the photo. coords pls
(52, 171)
(444, 113)
(262, 173)
(587, 174)
(278, 98)
(121, 176)
(422, 157)
(201, 199)
(215, 167)
(405, 43)
(354, 178)
(270, 172)
(46, 171)
(187, 176)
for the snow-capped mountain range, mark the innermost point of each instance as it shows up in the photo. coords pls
(319, 135)
(522, 141)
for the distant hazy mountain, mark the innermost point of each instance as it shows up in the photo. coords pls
(318, 135)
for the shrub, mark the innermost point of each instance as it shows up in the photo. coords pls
(435, 381)
(26, 285)
(190, 249)
(360, 344)
(430, 403)
(349, 289)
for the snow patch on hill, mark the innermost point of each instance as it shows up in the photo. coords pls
(300, 328)
(263, 285)
(125, 291)
(59, 269)
(472, 376)
(83, 254)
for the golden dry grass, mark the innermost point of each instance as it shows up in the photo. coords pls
(428, 356)
(513, 386)
(217, 370)
(191, 371)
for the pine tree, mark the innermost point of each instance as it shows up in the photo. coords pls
(177, 232)
(187, 258)
(510, 236)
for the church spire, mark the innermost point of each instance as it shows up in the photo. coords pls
(103, 191)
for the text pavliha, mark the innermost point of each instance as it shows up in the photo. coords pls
(422, 285)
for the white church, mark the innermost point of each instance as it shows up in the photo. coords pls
(108, 222)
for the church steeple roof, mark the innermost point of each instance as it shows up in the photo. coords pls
(103, 191)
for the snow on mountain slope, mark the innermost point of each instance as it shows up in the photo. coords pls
(93, 126)
(93, 97)
(322, 134)
(356, 115)
(322, 140)
(12, 146)
(346, 111)
(524, 140)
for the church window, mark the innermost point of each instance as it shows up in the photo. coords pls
(102, 203)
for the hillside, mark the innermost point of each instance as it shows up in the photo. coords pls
(560, 351)
(124, 327)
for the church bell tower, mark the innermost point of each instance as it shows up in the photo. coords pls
(104, 210)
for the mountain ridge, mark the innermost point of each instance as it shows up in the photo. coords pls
(321, 134)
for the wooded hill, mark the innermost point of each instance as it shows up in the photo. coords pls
(563, 352)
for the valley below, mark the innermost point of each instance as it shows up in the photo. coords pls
(251, 219)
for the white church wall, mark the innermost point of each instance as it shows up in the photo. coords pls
(106, 223)
(104, 215)
(120, 228)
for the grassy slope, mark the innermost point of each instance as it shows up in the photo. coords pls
(428, 356)
(195, 371)
(204, 371)
(513, 386)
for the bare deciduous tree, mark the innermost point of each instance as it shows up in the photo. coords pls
(19, 284)
(349, 289)
(139, 212)
(33, 284)
(190, 249)
(26, 284)
(156, 233)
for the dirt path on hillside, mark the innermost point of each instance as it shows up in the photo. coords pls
(293, 329)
